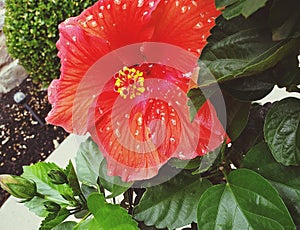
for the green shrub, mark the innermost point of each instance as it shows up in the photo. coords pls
(31, 29)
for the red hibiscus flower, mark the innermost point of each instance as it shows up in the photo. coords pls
(125, 72)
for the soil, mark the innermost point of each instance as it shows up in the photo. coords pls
(23, 140)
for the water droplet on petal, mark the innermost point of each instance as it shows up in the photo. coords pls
(172, 139)
(181, 155)
(173, 121)
(198, 26)
(183, 9)
(140, 3)
(151, 4)
(140, 121)
(117, 132)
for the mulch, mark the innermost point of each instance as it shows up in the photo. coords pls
(23, 140)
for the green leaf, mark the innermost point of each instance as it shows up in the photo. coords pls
(114, 184)
(249, 88)
(88, 160)
(237, 116)
(197, 97)
(68, 225)
(36, 205)
(90, 224)
(282, 131)
(285, 179)
(39, 174)
(109, 216)
(243, 48)
(239, 7)
(72, 179)
(247, 201)
(185, 164)
(208, 160)
(251, 135)
(284, 19)
(172, 204)
(287, 72)
(54, 219)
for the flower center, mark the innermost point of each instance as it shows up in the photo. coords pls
(129, 82)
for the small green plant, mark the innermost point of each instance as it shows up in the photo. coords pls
(31, 29)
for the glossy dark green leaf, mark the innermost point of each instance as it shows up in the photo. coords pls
(282, 131)
(109, 216)
(237, 116)
(239, 7)
(39, 174)
(68, 225)
(285, 179)
(284, 19)
(197, 97)
(54, 219)
(72, 179)
(242, 48)
(171, 204)
(287, 72)
(251, 135)
(247, 201)
(114, 184)
(88, 160)
(248, 88)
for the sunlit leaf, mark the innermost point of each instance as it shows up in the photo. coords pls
(109, 216)
(285, 179)
(88, 160)
(54, 219)
(247, 201)
(39, 174)
(114, 184)
(172, 204)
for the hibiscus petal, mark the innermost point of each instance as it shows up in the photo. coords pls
(77, 51)
(120, 22)
(187, 23)
(137, 136)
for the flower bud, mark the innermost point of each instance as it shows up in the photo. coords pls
(57, 177)
(18, 186)
(51, 206)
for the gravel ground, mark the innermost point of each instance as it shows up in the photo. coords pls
(22, 139)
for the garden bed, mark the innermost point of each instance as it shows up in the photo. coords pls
(22, 139)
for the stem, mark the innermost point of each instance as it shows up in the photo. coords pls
(224, 173)
(83, 219)
(51, 199)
